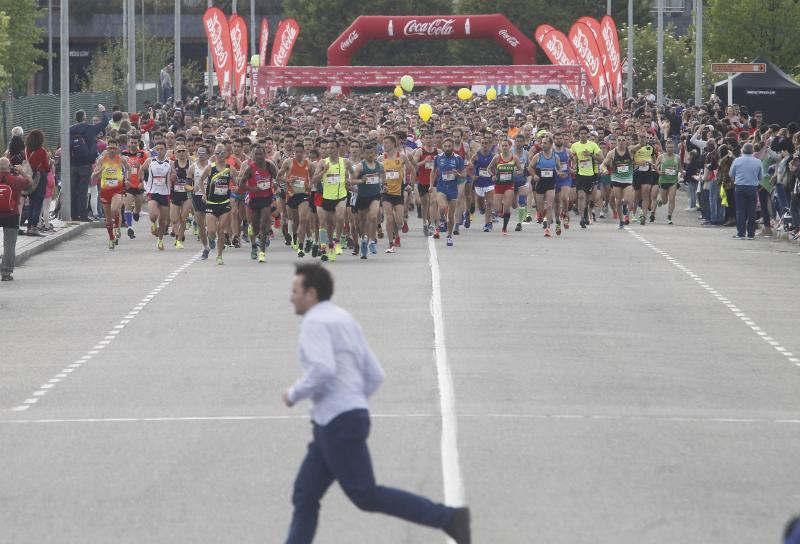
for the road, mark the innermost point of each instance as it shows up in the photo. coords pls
(635, 386)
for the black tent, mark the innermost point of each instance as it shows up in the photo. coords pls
(773, 92)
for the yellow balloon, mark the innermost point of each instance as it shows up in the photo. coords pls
(464, 94)
(255, 60)
(398, 92)
(491, 94)
(425, 112)
(407, 83)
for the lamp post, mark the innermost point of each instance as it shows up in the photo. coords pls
(178, 79)
(63, 59)
(660, 55)
(698, 52)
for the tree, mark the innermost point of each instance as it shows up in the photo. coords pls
(109, 67)
(744, 29)
(322, 21)
(678, 61)
(18, 60)
(4, 43)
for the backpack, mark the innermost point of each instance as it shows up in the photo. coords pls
(79, 149)
(7, 204)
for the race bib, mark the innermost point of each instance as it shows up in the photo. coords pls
(179, 187)
(448, 176)
(333, 179)
(159, 180)
(548, 173)
(584, 165)
(564, 167)
(670, 172)
(429, 165)
(483, 172)
(263, 185)
(505, 177)
(220, 189)
(622, 168)
(392, 174)
(112, 182)
(298, 183)
(644, 168)
(372, 179)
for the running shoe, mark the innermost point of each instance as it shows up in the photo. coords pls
(131, 234)
(642, 219)
(627, 220)
(539, 217)
(355, 251)
(528, 219)
(487, 227)
(136, 217)
(583, 223)
(467, 220)
(205, 254)
(518, 228)
(364, 248)
(558, 229)
(219, 260)
(308, 246)
(397, 241)
(373, 247)
(314, 251)
(602, 215)
(323, 257)
(442, 225)
(350, 243)
(117, 233)
(227, 240)
(455, 231)
(235, 242)
(566, 221)
(669, 221)
(544, 224)
(178, 244)
(287, 239)
(390, 249)
(301, 253)
(332, 253)
(160, 245)
(482, 211)
(254, 252)
(153, 228)
(212, 243)
(436, 234)
(337, 249)
(425, 230)
(262, 257)
(405, 227)
(653, 217)
(250, 230)
(245, 237)
(449, 241)
(111, 245)
(547, 233)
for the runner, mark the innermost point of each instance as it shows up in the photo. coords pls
(134, 193)
(111, 172)
(297, 173)
(394, 164)
(180, 188)
(258, 181)
(483, 180)
(447, 169)
(544, 168)
(643, 177)
(669, 168)
(584, 153)
(216, 184)
(522, 188)
(156, 170)
(619, 163)
(335, 174)
(370, 178)
(425, 156)
(504, 165)
(563, 182)
(196, 171)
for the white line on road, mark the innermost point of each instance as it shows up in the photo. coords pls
(451, 468)
(98, 347)
(725, 301)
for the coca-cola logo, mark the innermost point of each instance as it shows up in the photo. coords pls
(556, 48)
(511, 40)
(581, 43)
(214, 28)
(352, 37)
(238, 51)
(287, 41)
(437, 27)
(608, 38)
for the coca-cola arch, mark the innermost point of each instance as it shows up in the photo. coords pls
(431, 27)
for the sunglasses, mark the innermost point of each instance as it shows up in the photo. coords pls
(180, 151)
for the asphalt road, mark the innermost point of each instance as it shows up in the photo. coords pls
(610, 387)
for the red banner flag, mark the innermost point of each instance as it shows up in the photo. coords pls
(262, 44)
(285, 37)
(238, 28)
(219, 41)
(585, 47)
(608, 35)
(594, 26)
(557, 48)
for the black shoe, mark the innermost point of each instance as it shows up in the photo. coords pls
(518, 227)
(131, 235)
(7, 277)
(315, 251)
(135, 216)
(308, 246)
(458, 528)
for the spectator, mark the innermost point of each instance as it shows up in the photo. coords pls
(746, 173)
(39, 161)
(166, 83)
(83, 152)
(12, 183)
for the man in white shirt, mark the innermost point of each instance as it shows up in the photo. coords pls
(340, 373)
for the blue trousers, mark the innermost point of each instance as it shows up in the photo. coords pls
(339, 452)
(746, 210)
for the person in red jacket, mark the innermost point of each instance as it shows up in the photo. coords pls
(12, 183)
(37, 157)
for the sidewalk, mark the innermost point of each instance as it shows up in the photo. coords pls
(28, 246)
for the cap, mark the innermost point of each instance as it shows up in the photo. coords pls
(541, 133)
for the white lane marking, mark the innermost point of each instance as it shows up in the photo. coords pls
(98, 347)
(197, 418)
(451, 468)
(724, 300)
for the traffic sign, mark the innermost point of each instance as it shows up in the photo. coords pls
(626, 66)
(735, 67)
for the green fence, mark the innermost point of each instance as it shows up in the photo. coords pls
(43, 111)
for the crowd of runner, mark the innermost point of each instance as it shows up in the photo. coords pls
(324, 174)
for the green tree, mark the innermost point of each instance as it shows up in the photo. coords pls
(18, 60)
(745, 29)
(678, 61)
(527, 15)
(109, 66)
(322, 21)
(4, 43)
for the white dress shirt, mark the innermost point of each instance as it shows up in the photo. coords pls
(341, 371)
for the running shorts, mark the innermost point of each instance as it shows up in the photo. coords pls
(260, 203)
(563, 182)
(544, 185)
(584, 183)
(135, 190)
(161, 200)
(501, 188)
(394, 200)
(199, 204)
(448, 188)
(218, 209)
(620, 185)
(329, 205)
(481, 191)
(297, 199)
(364, 202)
(423, 189)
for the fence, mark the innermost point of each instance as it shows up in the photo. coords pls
(42, 111)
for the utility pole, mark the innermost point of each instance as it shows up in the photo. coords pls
(660, 55)
(234, 7)
(144, 69)
(608, 8)
(50, 46)
(629, 82)
(253, 45)
(210, 65)
(63, 59)
(698, 52)
(178, 79)
(131, 56)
